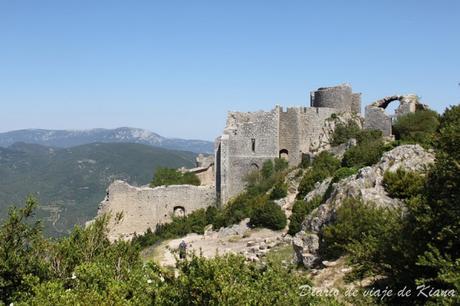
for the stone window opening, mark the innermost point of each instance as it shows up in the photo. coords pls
(253, 144)
(284, 154)
(179, 211)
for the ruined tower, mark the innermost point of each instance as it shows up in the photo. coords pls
(250, 138)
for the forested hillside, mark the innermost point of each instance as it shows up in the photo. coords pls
(70, 183)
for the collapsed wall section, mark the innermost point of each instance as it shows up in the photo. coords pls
(144, 207)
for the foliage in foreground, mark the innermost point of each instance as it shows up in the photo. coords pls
(86, 269)
(169, 176)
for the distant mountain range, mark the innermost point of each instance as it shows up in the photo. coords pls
(70, 182)
(68, 138)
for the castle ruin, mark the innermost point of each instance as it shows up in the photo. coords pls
(249, 139)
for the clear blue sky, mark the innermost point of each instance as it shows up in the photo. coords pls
(177, 67)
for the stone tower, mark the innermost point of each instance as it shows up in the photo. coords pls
(250, 138)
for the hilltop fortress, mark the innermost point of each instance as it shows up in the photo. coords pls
(248, 139)
(251, 138)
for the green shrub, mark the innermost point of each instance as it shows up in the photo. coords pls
(267, 169)
(344, 132)
(403, 184)
(323, 166)
(280, 164)
(366, 136)
(168, 176)
(300, 210)
(364, 154)
(309, 180)
(342, 173)
(357, 223)
(279, 191)
(268, 214)
(418, 127)
(326, 161)
(194, 222)
(86, 269)
(306, 161)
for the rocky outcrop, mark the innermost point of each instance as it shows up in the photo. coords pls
(366, 185)
(323, 140)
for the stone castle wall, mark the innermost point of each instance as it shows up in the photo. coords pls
(251, 138)
(248, 140)
(145, 207)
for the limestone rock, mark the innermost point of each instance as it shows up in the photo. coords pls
(323, 140)
(305, 247)
(235, 229)
(366, 185)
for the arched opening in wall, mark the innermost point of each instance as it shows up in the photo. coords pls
(179, 211)
(284, 154)
(254, 167)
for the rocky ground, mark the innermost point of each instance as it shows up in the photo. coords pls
(254, 244)
(366, 185)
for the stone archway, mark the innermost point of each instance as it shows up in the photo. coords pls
(179, 211)
(377, 119)
(284, 154)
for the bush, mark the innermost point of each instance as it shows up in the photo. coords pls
(280, 164)
(357, 223)
(342, 173)
(323, 166)
(86, 269)
(279, 191)
(326, 161)
(368, 151)
(344, 132)
(364, 154)
(306, 161)
(366, 136)
(403, 184)
(268, 214)
(267, 169)
(179, 226)
(418, 127)
(300, 211)
(168, 176)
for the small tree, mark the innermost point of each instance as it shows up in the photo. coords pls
(169, 176)
(268, 214)
(418, 127)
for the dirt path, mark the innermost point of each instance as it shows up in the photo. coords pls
(253, 243)
(213, 244)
